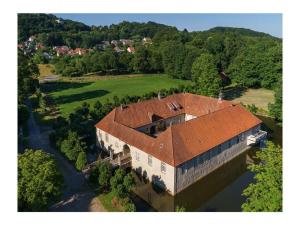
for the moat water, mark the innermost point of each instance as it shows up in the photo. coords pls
(220, 191)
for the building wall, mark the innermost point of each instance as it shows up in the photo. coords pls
(196, 168)
(153, 171)
(176, 179)
(140, 161)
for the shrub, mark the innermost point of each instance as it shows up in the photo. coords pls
(81, 161)
(129, 207)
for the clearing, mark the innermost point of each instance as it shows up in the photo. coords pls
(70, 93)
(260, 97)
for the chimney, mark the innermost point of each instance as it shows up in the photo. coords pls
(121, 107)
(158, 95)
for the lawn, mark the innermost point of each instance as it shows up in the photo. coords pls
(70, 93)
(45, 70)
(260, 97)
(106, 200)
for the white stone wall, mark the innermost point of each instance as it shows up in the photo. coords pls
(109, 141)
(154, 173)
(140, 161)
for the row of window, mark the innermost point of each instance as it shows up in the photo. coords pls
(163, 167)
(212, 153)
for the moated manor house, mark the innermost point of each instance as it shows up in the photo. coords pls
(176, 140)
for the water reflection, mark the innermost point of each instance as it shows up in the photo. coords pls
(219, 191)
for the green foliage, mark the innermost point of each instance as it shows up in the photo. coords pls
(265, 194)
(129, 207)
(122, 183)
(258, 65)
(72, 146)
(205, 75)
(31, 24)
(180, 209)
(104, 175)
(276, 108)
(39, 181)
(129, 182)
(252, 108)
(27, 73)
(81, 161)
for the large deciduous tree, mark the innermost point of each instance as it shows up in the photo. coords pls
(39, 181)
(205, 75)
(265, 194)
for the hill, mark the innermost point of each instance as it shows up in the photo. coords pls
(30, 24)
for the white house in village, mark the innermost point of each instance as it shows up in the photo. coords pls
(176, 140)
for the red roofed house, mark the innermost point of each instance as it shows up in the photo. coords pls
(176, 140)
(130, 49)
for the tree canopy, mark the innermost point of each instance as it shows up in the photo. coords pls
(265, 194)
(39, 181)
(205, 75)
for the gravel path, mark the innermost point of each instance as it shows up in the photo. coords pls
(77, 196)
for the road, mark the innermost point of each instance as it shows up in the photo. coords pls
(77, 196)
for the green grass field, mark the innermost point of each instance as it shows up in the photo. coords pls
(70, 93)
(260, 97)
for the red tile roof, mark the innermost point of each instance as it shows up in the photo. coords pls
(216, 123)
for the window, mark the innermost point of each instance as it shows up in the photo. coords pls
(229, 144)
(137, 156)
(100, 134)
(149, 160)
(242, 136)
(219, 149)
(106, 137)
(163, 167)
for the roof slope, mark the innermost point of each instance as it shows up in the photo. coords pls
(216, 123)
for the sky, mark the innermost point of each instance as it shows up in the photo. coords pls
(270, 23)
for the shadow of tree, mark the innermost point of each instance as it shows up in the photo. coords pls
(233, 93)
(80, 97)
(158, 184)
(62, 85)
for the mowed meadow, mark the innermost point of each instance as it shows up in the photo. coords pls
(70, 93)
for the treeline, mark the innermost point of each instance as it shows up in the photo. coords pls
(27, 85)
(145, 60)
(31, 24)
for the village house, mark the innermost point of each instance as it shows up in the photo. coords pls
(131, 49)
(61, 50)
(115, 42)
(126, 42)
(147, 40)
(176, 140)
(118, 50)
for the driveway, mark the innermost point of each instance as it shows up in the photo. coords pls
(77, 196)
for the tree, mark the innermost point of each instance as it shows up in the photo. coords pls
(129, 207)
(128, 182)
(105, 173)
(205, 75)
(180, 209)
(72, 146)
(81, 161)
(39, 181)
(265, 194)
(276, 108)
